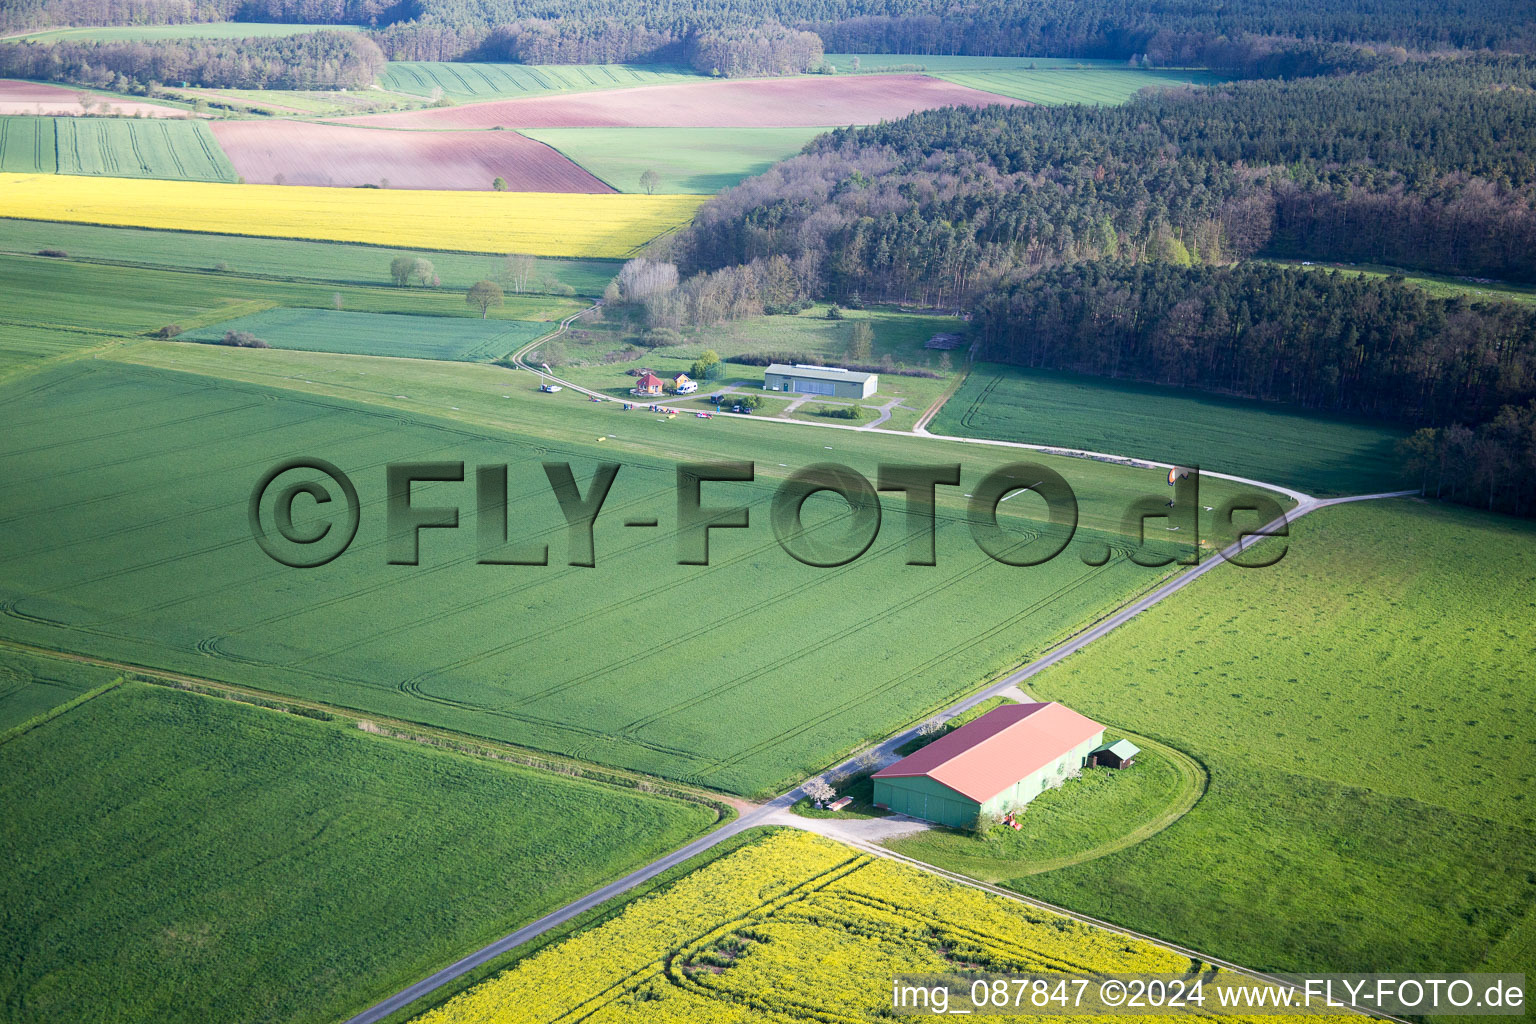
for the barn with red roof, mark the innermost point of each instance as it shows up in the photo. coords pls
(999, 762)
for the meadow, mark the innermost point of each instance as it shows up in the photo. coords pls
(621, 665)
(379, 334)
(1362, 711)
(1441, 286)
(267, 866)
(114, 147)
(539, 224)
(1262, 441)
(32, 686)
(687, 160)
(1061, 84)
(468, 82)
(791, 928)
(336, 262)
(114, 304)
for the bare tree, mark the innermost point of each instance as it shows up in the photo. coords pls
(517, 271)
(650, 181)
(483, 295)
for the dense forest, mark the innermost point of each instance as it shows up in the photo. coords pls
(1332, 341)
(1427, 164)
(1167, 32)
(1493, 466)
(315, 60)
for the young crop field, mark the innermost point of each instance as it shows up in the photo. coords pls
(300, 153)
(468, 82)
(332, 262)
(1262, 441)
(691, 160)
(116, 147)
(125, 148)
(791, 928)
(1362, 710)
(180, 858)
(1052, 85)
(27, 145)
(620, 664)
(809, 101)
(379, 334)
(31, 686)
(539, 224)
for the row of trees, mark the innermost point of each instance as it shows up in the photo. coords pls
(1492, 466)
(316, 60)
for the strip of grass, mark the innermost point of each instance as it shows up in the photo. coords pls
(1362, 712)
(332, 262)
(696, 160)
(181, 858)
(1441, 286)
(1263, 441)
(1093, 85)
(32, 686)
(379, 334)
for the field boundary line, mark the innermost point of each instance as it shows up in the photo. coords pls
(401, 729)
(62, 709)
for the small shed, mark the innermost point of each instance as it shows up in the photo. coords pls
(684, 384)
(1119, 754)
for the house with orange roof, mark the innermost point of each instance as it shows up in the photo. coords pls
(999, 762)
(648, 384)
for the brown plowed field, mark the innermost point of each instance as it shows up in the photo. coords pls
(771, 103)
(55, 100)
(300, 153)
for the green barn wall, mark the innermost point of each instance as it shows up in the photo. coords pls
(922, 797)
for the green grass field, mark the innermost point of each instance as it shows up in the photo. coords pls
(624, 664)
(1362, 710)
(199, 30)
(691, 160)
(379, 334)
(332, 262)
(1441, 286)
(31, 686)
(174, 857)
(1096, 85)
(1259, 440)
(116, 147)
(468, 82)
(879, 63)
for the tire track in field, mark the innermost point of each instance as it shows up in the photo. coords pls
(811, 647)
(931, 664)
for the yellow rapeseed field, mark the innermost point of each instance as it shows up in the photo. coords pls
(790, 929)
(537, 223)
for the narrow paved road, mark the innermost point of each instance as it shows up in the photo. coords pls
(766, 813)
